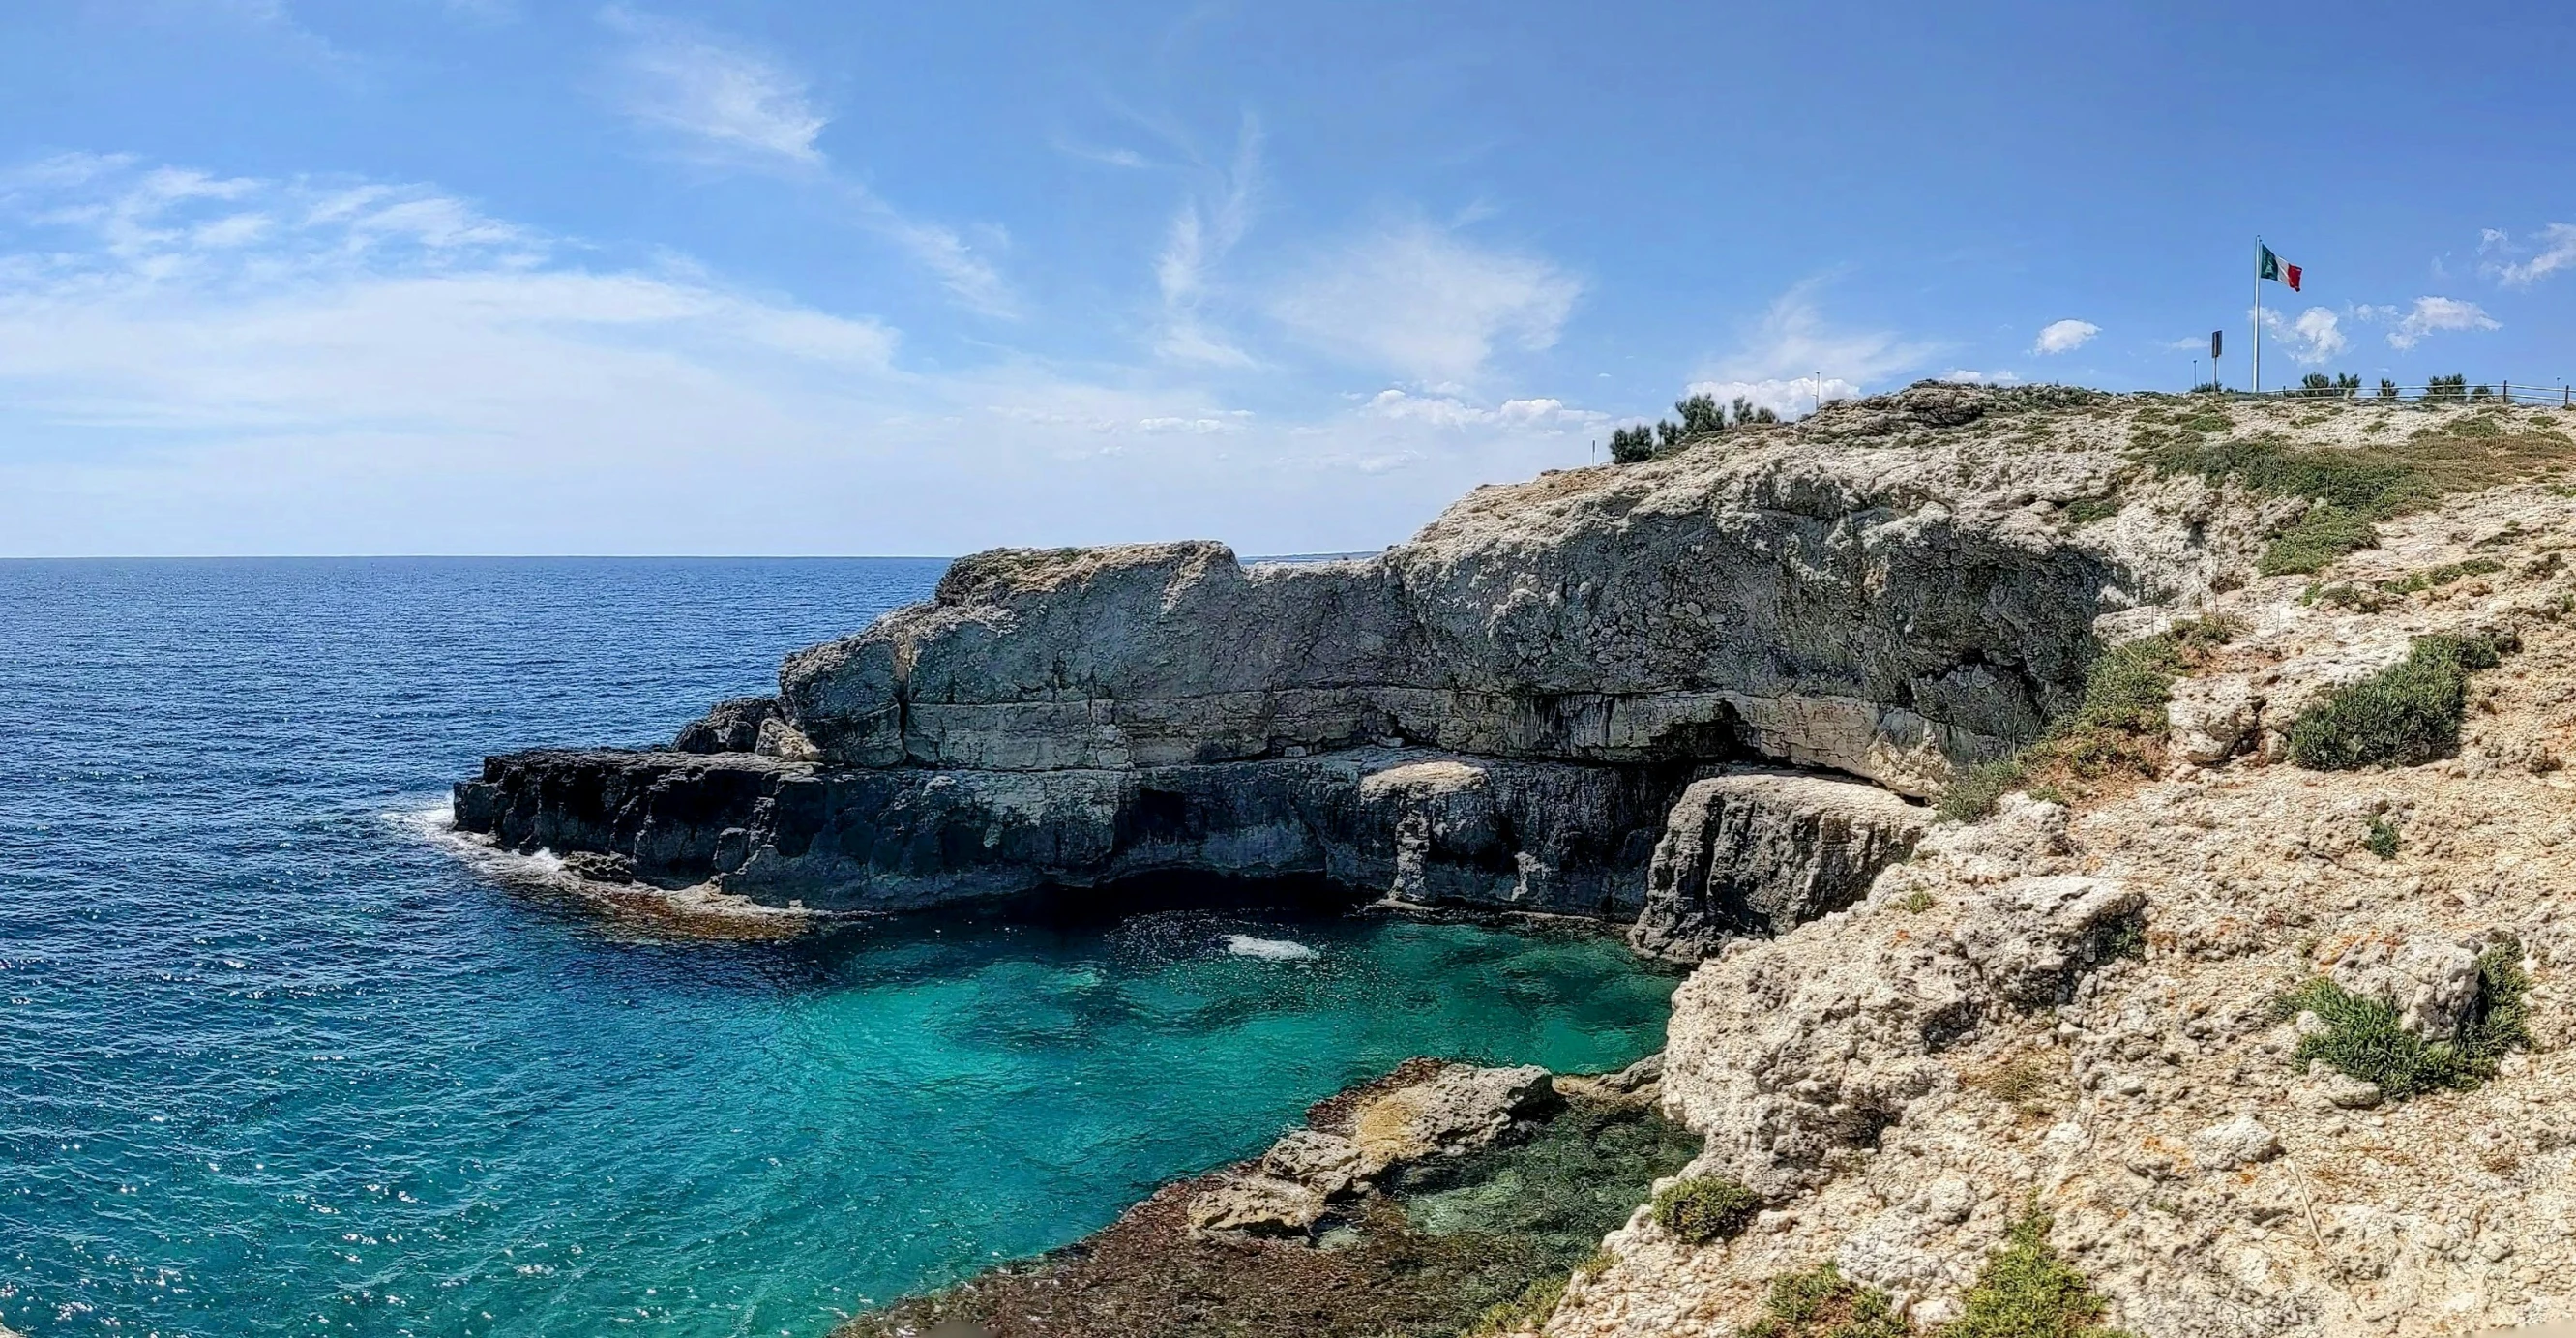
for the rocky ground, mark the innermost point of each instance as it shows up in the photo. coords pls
(1905, 1078)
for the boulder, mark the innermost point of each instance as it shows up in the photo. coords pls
(2239, 1142)
(730, 726)
(2211, 718)
(1329, 1163)
(2433, 984)
(1759, 852)
(2032, 937)
(1255, 1205)
(1463, 1110)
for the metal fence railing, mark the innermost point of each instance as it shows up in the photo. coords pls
(2442, 391)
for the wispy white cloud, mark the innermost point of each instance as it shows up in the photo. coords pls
(719, 98)
(2064, 336)
(191, 362)
(1969, 376)
(1424, 303)
(1202, 233)
(1793, 341)
(2429, 315)
(2554, 250)
(724, 103)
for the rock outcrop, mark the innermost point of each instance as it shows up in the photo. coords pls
(1501, 712)
(2092, 1011)
(1755, 852)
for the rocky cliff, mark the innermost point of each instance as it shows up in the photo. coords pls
(2226, 996)
(1501, 712)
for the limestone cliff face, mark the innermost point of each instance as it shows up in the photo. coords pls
(1870, 610)
(1501, 712)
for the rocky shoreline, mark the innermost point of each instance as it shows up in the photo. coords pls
(1414, 1205)
(2244, 718)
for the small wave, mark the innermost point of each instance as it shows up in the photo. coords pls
(701, 911)
(435, 823)
(1268, 949)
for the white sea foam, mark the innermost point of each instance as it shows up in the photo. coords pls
(699, 911)
(434, 821)
(1268, 949)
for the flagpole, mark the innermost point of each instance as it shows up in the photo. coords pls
(2258, 313)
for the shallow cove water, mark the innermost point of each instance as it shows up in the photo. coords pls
(273, 1061)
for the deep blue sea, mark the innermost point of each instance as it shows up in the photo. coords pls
(275, 1060)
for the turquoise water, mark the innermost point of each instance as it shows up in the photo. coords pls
(272, 1062)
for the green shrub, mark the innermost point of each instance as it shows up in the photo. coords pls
(2446, 389)
(1628, 445)
(2086, 510)
(2363, 1038)
(1700, 415)
(1526, 1311)
(2027, 1291)
(1706, 1208)
(2115, 729)
(2387, 389)
(2355, 485)
(1973, 793)
(2406, 715)
(2325, 533)
(1822, 1303)
(2382, 840)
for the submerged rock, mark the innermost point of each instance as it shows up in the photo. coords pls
(1514, 1191)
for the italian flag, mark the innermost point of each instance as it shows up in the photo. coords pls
(2274, 267)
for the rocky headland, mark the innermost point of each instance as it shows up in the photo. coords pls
(2123, 841)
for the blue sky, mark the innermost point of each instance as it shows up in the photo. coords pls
(502, 276)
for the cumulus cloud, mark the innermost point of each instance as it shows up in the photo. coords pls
(1424, 303)
(2429, 315)
(2065, 336)
(2314, 336)
(1787, 397)
(2554, 250)
(1540, 414)
(1968, 376)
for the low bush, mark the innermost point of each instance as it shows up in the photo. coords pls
(2382, 840)
(2406, 715)
(1705, 1208)
(2118, 728)
(1821, 1303)
(2086, 510)
(1974, 791)
(2363, 1037)
(2354, 485)
(2027, 1291)
(2324, 533)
